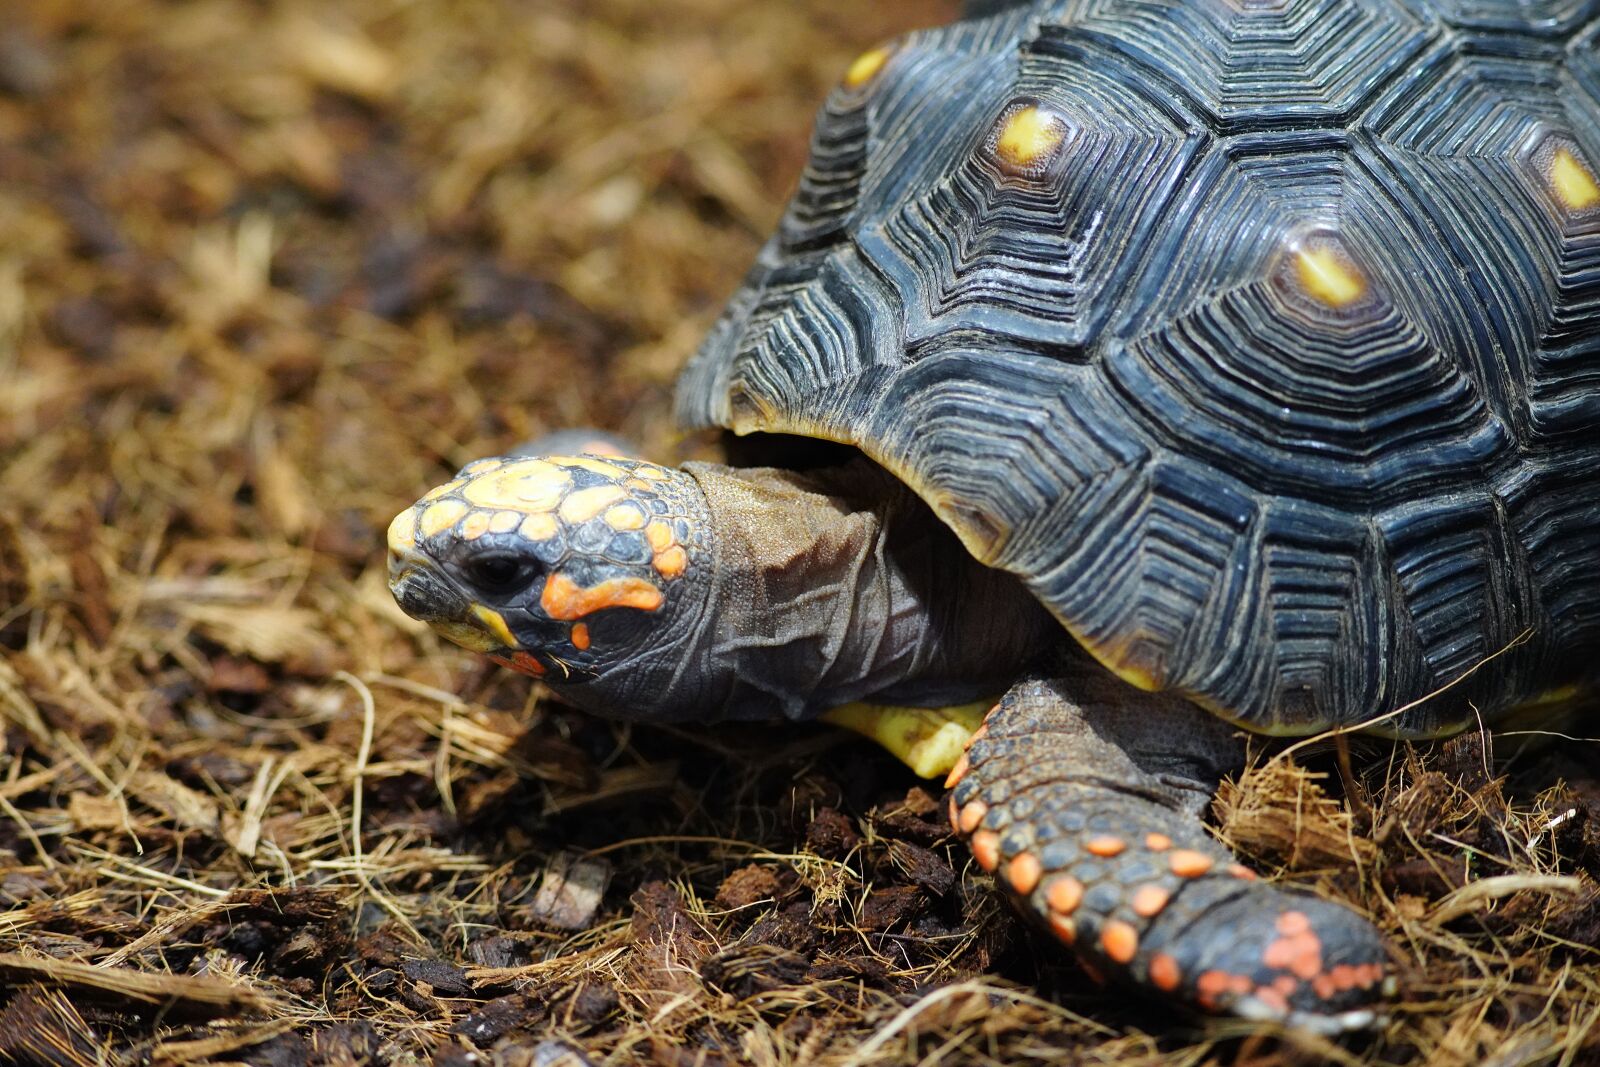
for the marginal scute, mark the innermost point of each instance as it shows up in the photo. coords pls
(867, 66)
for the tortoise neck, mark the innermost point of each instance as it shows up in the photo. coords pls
(839, 584)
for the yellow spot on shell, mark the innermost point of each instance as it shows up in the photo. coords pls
(585, 504)
(625, 517)
(671, 563)
(1028, 136)
(402, 534)
(1573, 182)
(659, 534)
(476, 525)
(527, 485)
(440, 517)
(504, 522)
(540, 526)
(495, 623)
(866, 67)
(588, 463)
(1328, 276)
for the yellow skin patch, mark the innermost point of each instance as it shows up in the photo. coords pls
(1328, 277)
(566, 600)
(867, 66)
(928, 740)
(495, 623)
(1029, 136)
(467, 636)
(585, 504)
(440, 517)
(1573, 182)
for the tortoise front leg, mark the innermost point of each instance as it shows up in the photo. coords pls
(1087, 807)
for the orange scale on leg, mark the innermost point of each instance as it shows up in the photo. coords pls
(986, 849)
(971, 816)
(1165, 974)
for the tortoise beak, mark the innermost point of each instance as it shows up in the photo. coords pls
(421, 592)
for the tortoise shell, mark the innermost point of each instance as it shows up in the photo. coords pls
(1260, 338)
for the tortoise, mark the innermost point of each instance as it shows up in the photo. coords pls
(1172, 370)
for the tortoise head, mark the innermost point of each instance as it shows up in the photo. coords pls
(569, 568)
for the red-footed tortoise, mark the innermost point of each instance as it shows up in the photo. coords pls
(1252, 346)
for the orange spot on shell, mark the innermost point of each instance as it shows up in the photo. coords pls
(671, 563)
(1024, 873)
(585, 504)
(1119, 940)
(1187, 863)
(1157, 842)
(564, 599)
(1165, 974)
(580, 636)
(1148, 900)
(1106, 846)
(986, 849)
(971, 816)
(958, 772)
(1064, 895)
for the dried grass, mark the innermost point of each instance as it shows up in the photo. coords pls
(269, 269)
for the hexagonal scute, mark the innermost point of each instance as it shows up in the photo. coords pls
(1038, 216)
(1248, 62)
(1543, 17)
(1501, 155)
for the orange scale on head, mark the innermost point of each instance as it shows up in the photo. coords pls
(540, 526)
(504, 522)
(671, 563)
(625, 516)
(659, 534)
(564, 599)
(585, 504)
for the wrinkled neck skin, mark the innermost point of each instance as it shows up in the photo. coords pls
(827, 587)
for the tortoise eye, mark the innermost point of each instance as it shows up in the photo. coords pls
(500, 573)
